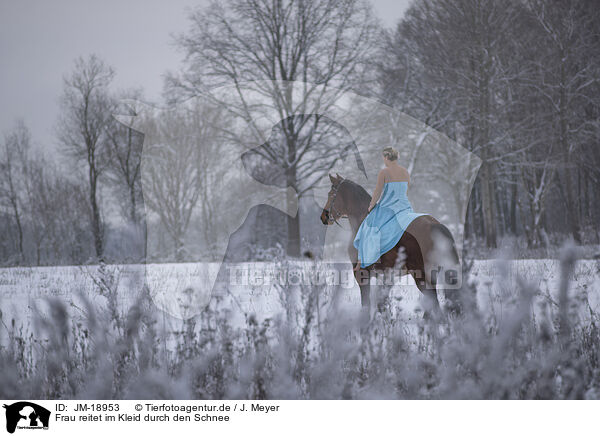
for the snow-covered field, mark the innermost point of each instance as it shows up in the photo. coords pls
(496, 350)
(182, 290)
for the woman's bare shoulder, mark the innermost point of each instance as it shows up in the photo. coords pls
(399, 173)
(384, 173)
(405, 171)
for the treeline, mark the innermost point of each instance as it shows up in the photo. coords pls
(514, 81)
(51, 202)
(517, 83)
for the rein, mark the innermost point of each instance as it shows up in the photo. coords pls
(331, 206)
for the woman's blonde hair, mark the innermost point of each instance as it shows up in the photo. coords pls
(390, 153)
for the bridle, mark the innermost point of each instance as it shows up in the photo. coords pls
(332, 208)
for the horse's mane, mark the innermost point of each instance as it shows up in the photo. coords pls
(358, 191)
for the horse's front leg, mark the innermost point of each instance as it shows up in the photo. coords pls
(363, 279)
(364, 292)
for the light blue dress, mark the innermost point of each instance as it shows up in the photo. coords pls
(383, 227)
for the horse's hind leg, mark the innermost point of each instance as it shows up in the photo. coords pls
(427, 288)
(432, 305)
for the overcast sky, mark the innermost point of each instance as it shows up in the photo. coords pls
(39, 40)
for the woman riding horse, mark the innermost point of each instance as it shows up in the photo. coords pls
(385, 223)
(390, 212)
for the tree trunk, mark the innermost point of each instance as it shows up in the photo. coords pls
(14, 202)
(488, 206)
(179, 249)
(15, 206)
(488, 194)
(572, 205)
(293, 223)
(96, 225)
(513, 208)
(132, 212)
(572, 208)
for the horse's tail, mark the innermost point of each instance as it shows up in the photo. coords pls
(450, 262)
(444, 232)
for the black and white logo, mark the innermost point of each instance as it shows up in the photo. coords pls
(26, 415)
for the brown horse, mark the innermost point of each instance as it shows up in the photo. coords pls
(429, 249)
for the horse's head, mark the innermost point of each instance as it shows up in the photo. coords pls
(335, 208)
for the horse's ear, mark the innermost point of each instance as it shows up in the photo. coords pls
(333, 179)
(339, 177)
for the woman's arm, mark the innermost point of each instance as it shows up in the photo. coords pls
(378, 189)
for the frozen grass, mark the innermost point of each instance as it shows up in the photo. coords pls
(534, 336)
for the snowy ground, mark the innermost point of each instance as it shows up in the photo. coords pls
(179, 290)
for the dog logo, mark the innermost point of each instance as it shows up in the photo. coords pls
(26, 415)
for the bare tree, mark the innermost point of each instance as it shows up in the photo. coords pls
(125, 154)
(569, 71)
(179, 168)
(86, 112)
(58, 213)
(13, 177)
(324, 43)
